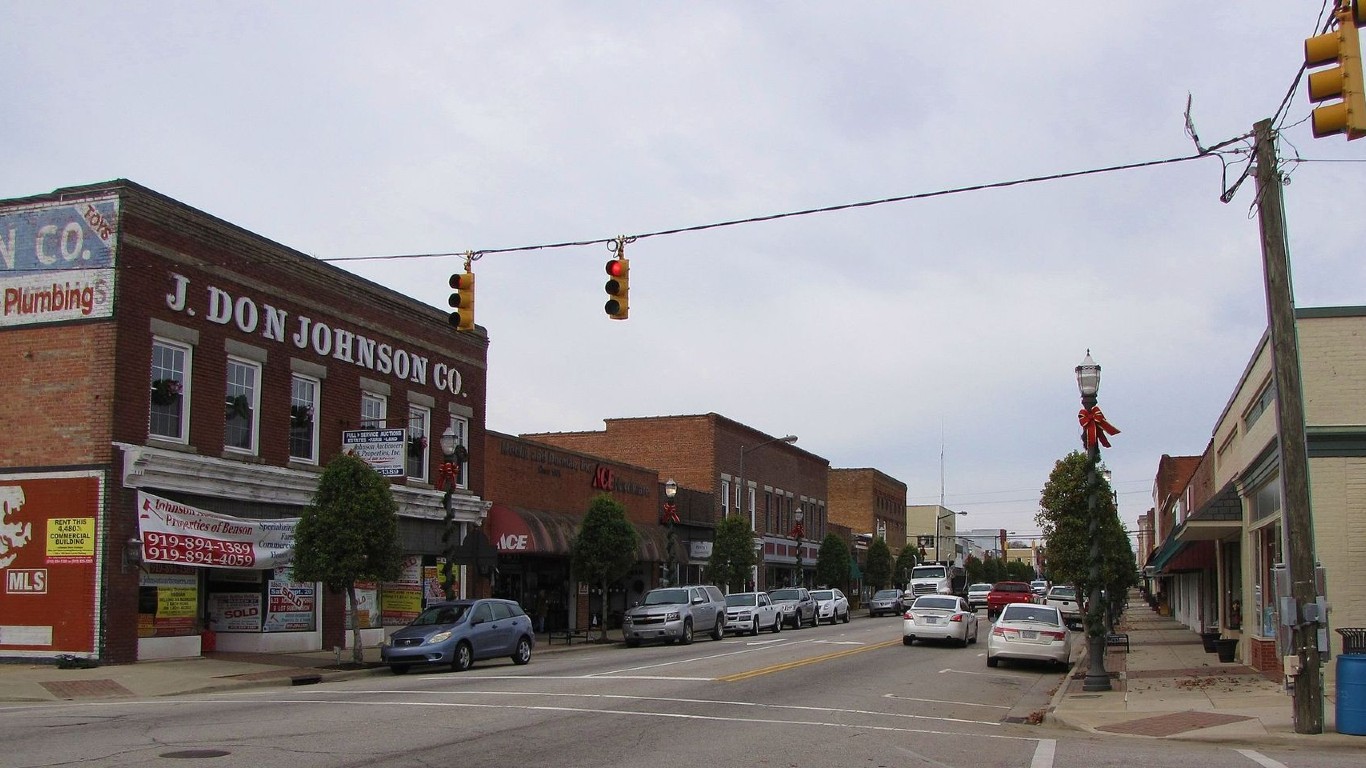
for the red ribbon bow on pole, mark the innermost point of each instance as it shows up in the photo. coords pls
(1094, 427)
(447, 472)
(670, 513)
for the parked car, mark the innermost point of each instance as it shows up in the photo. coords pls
(1039, 586)
(831, 605)
(459, 633)
(1029, 632)
(673, 614)
(939, 617)
(751, 612)
(797, 604)
(886, 601)
(977, 595)
(1006, 592)
(1064, 598)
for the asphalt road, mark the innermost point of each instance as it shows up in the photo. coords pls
(844, 695)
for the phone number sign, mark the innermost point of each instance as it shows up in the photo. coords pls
(183, 535)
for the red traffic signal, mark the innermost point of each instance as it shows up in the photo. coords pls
(618, 289)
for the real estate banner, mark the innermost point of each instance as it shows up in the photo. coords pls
(183, 535)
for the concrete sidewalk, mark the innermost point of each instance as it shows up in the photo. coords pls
(35, 682)
(1167, 686)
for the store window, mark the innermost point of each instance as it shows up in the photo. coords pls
(169, 416)
(242, 401)
(303, 419)
(419, 425)
(373, 411)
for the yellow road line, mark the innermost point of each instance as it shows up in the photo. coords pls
(803, 662)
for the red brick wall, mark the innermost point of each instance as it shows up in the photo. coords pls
(860, 498)
(535, 475)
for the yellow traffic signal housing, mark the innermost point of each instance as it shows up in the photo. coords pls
(618, 288)
(462, 300)
(1343, 81)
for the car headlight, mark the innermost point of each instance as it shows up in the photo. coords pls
(673, 616)
(439, 637)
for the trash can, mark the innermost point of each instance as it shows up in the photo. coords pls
(1351, 684)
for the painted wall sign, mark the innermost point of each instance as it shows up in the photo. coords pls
(50, 603)
(56, 262)
(183, 535)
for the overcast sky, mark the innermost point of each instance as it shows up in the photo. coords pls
(884, 336)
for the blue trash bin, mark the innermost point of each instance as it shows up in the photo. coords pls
(1351, 683)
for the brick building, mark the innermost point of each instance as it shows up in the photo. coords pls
(167, 368)
(869, 501)
(743, 470)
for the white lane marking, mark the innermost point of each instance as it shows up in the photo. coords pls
(1043, 754)
(981, 674)
(840, 642)
(1261, 759)
(669, 700)
(943, 701)
(576, 677)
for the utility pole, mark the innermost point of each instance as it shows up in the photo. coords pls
(1285, 364)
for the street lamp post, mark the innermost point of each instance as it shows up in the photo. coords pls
(741, 494)
(938, 537)
(670, 575)
(450, 541)
(798, 533)
(1094, 431)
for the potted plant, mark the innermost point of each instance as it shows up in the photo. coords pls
(1227, 648)
(166, 391)
(1208, 638)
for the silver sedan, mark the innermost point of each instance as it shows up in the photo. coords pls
(1029, 632)
(939, 617)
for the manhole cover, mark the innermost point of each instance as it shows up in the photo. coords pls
(196, 753)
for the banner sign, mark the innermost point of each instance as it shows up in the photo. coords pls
(183, 535)
(380, 448)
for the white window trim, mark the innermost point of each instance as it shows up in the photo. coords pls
(425, 465)
(316, 406)
(255, 431)
(185, 386)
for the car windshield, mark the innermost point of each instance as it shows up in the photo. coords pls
(742, 600)
(1066, 593)
(823, 594)
(928, 572)
(787, 594)
(441, 614)
(948, 603)
(666, 597)
(1031, 614)
(886, 594)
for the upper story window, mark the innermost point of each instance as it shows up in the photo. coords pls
(419, 425)
(169, 416)
(461, 427)
(725, 498)
(1264, 400)
(303, 419)
(242, 400)
(373, 411)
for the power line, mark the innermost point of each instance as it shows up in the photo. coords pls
(1204, 152)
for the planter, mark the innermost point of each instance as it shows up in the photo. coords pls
(1209, 639)
(1227, 648)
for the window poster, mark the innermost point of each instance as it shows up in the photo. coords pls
(168, 601)
(401, 601)
(367, 605)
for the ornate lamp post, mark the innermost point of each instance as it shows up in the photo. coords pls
(798, 532)
(1094, 431)
(754, 572)
(450, 540)
(670, 575)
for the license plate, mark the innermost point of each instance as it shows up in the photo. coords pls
(1029, 634)
(931, 619)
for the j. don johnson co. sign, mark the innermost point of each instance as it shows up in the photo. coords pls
(274, 324)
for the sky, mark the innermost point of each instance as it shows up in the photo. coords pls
(932, 338)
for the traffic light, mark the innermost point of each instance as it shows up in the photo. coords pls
(1343, 81)
(618, 288)
(462, 300)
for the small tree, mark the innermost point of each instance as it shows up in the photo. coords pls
(905, 562)
(878, 572)
(348, 533)
(732, 554)
(832, 562)
(605, 548)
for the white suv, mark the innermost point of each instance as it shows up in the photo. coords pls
(673, 614)
(1064, 598)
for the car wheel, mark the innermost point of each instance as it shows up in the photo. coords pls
(974, 634)
(815, 620)
(754, 630)
(846, 617)
(797, 621)
(717, 630)
(907, 640)
(632, 642)
(777, 625)
(686, 639)
(399, 669)
(992, 661)
(523, 653)
(464, 657)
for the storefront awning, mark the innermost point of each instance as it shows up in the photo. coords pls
(1176, 556)
(1219, 518)
(523, 531)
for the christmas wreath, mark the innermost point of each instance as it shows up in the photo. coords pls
(165, 391)
(239, 406)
